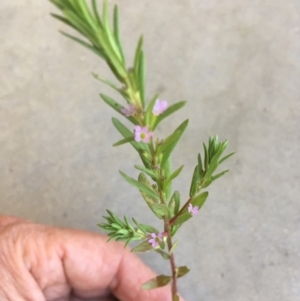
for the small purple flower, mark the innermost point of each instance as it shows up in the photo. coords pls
(159, 107)
(130, 111)
(193, 210)
(156, 239)
(142, 134)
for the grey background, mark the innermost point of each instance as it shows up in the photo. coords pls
(238, 65)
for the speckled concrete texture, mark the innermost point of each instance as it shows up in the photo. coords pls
(238, 65)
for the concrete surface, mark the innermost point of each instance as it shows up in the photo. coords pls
(238, 65)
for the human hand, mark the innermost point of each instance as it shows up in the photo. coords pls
(39, 263)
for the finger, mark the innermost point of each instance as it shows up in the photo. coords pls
(16, 281)
(92, 265)
(9, 220)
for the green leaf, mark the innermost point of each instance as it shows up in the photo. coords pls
(148, 114)
(166, 172)
(170, 110)
(123, 232)
(158, 281)
(116, 226)
(169, 144)
(175, 244)
(147, 171)
(160, 210)
(137, 55)
(219, 175)
(142, 187)
(125, 132)
(149, 200)
(206, 159)
(79, 24)
(139, 226)
(123, 141)
(225, 158)
(109, 83)
(144, 247)
(87, 16)
(85, 44)
(141, 78)
(117, 33)
(164, 254)
(64, 20)
(115, 218)
(195, 182)
(96, 14)
(114, 55)
(174, 175)
(182, 218)
(201, 171)
(200, 199)
(181, 271)
(174, 203)
(149, 228)
(211, 169)
(112, 103)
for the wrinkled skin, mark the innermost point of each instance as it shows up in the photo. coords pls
(39, 263)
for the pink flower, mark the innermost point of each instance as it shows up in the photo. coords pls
(193, 210)
(131, 110)
(159, 107)
(142, 134)
(155, 240)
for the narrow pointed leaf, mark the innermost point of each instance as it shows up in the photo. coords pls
(181, 271)
(84, 44)
(141, 78)
(96, 14)
(158, 281)
(160, 210)
(147, 171)
(205, 157)
(174, 203)
(117, 32)
(182, 218)
(64, 20)
(137, 56)
(116, 106)
(144, 247)
(201, 171)
(164, 254)
(170, 110)
(225, 158)
(125, 132)
(107, 82)
(200, 199)
(148, 199)
(169, 144)
(149, 228)
(148, 114)
(174, 175)
(195, 182)
(151, 193)
(123, 141)
(219, 175)
(175, 244)
(88, 17)
(167, 169)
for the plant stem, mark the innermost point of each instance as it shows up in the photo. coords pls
(172, 260)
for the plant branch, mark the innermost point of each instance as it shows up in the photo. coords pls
(172, 259)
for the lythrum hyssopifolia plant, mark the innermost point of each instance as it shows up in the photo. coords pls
(154, 182)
